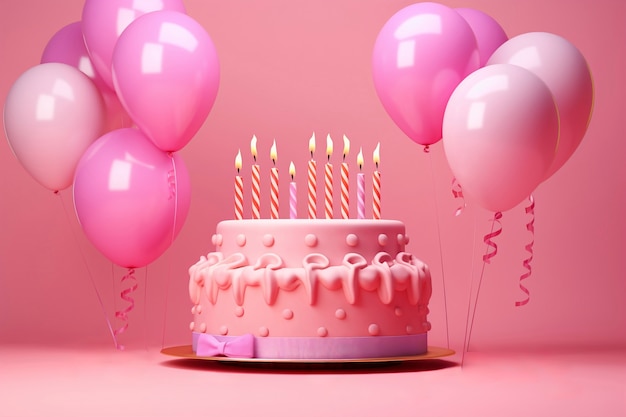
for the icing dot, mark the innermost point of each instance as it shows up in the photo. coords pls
(264, 331)
(192, 326)
(352, 240)
(199, 309)
(410, 329)
(398, 312)
(310, 240)
(193, 310)
(426, 325)
(322, 332)
(287, 314)
(223, 330)
(400, 238)
(214, 239)
(203, 327)
(241, 240)
(219, 239)
(340, 314)
(406, 239)
(239, 311)
(382, 239)
(268, 240)
(373, 329)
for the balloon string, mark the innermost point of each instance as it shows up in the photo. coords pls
(89, 273)
(172, 179)
(457, 192)
(530, 226)
(125, 295)
(443, 275)
(486, 260)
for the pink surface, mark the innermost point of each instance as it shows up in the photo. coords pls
(288, 69)
(103, 382)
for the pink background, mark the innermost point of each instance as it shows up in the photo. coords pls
(288, 69)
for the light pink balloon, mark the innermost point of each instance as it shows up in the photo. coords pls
(566, 73)
(68, 47)
(489, 34)
(52, 113)
(500, 132)
(421, 54)
(103, 21)
(131, 198)
(166, 73)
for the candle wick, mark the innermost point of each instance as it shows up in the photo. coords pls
(254, 156)
(344, 157)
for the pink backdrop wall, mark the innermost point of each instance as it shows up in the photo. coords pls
(291, 68)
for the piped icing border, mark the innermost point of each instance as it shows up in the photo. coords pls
(385, 274)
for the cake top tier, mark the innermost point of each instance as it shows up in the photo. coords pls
(295, 239)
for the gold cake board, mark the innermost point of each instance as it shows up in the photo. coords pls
(187, 352)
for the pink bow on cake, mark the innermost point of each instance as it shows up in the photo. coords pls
(234, 347)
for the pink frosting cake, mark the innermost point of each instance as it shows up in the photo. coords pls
(310, 289)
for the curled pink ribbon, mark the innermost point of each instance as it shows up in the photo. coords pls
(234, 347)
(487, 239)
(457, 192)
(125, 295)
(530, 226)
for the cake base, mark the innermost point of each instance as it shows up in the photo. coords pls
(186, 351)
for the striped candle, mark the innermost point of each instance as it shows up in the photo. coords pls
(293, 199)
(376, 184)
(360, 187)
(274, 184)
(328, 180)
(238, 189)
(312, 181)
(345, 181)
(256, 182)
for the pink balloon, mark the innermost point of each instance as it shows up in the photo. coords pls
(103, 21)
(166, 73)
(131, 198)
(566, 73)
(500, 132)
(68, 47)
(489, 34)
(421, 54)
(52, 113)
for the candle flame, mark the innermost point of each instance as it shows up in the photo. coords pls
(273, 153)
(292, 170)
(346, 146)
(376, 155)
(253, 147)
(329, 146)
(359, 158)
(312, 144)
(238, 161)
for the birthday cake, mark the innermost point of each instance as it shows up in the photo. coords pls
(310, 289)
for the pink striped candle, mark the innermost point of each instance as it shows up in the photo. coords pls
(345, 181)
(376, 184)
(328, 180)
(360, 187)
(238, 189)
(293, 199)
(256, 182)
(274, 184)
(312, 181)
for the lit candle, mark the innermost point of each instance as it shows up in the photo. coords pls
(345, 181)
(256, 182)
(328, 180)
(274, 183)
(360, 187)
(376, 183)
(238, 189)
(293, 201)
(312, 181)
